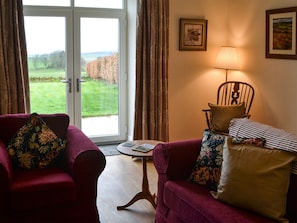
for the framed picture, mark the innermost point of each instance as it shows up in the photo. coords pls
(193, 34)
(281, 33)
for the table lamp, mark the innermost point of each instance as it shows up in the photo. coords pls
(227, 59)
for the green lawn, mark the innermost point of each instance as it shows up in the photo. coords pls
(48, 93)
(98, 98)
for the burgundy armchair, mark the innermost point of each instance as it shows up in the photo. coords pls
(180, 201)
(65, 192)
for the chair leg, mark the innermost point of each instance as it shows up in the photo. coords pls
(207, 119)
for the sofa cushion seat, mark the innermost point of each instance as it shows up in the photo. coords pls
(194, 203)
(42, 187)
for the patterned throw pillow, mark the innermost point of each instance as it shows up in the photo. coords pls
(260, 142)
(208, 165)
(35, 145)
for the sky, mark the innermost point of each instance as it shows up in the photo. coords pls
(47, 34)
(78, 3)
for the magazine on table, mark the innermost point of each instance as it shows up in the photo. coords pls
(144, 148)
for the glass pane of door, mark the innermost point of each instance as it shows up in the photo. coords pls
(47, 63)
(113, 4)
(99, 71)
(47, 2)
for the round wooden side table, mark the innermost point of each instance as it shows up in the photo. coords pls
(126, 148)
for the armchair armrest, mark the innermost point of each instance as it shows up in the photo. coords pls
(78, 144)
(5, 167)
(173, 161)
(176, 160)
(85, 163)
(5, 177)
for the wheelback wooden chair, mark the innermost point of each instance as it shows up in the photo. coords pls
(230, 93)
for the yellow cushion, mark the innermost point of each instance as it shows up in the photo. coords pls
(221, 115)
(255, 178)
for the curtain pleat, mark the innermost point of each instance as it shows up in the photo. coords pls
(152, 48)
(14, 80)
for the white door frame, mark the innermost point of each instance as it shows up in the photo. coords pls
(72, 18)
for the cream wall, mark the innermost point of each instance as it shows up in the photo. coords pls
(193, 80)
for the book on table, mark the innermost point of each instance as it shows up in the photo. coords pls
(129, 144)
(144, 148)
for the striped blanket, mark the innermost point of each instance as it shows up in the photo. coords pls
(275, 138)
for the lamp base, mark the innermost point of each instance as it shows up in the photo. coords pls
(226, 75)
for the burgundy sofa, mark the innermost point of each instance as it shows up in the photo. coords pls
(182, 201)
(65, 192)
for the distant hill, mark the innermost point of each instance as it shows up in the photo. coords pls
(87, 56)
(96, 55)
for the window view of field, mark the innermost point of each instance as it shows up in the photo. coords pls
(89, 51)
(100, 89)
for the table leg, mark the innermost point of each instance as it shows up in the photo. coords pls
(145, 193)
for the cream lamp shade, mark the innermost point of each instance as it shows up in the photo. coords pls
(227, 59)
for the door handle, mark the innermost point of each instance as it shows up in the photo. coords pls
(69, 82)
(78, 81)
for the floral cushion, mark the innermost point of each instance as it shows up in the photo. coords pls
(35, 145)
(260, 142)
(208, 165)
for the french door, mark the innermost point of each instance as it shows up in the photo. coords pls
(77, 66)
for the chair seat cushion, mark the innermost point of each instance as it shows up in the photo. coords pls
(41, 188)
(191, 201)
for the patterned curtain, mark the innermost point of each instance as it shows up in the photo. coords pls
(151, 102)
(14, 80)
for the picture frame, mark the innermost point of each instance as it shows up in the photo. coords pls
(193, 34)
(281, 33)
